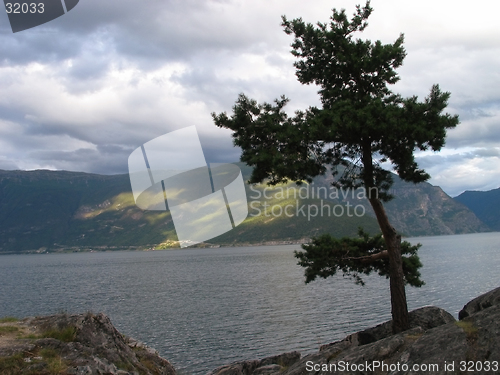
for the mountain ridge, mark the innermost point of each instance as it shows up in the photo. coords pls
(484, 204)
(62, 210)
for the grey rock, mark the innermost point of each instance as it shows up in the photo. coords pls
(90, 345)
(492, 298)
(284, 360)
(269, 369)
(151, 350)
(268, 365)
(79, 370)
(237, 368)
(37, 367)
(424, 317)
(103, 366)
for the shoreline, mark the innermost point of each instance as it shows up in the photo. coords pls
(102, 249)
(203, 245)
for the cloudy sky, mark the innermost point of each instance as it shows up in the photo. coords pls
(82, 92)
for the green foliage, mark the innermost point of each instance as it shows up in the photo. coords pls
(29, 336)
(50, 210)
(12, 365)
(98, 224)
(124, 366)
(8, 329)
(169, 244)
(8, 319)
(360, 117)
(468, 327)
(55, 364)
(265, 223)
(326, 255)
(360, 126)
(142, 228)
(15, 364)
(66, 334)
(48, 353)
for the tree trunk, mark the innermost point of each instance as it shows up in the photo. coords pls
(399, 307)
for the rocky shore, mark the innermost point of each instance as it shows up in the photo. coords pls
(85, 344)
(88, 344)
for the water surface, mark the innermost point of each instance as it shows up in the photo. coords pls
(202, 308)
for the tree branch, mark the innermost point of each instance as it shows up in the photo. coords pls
(370, 258)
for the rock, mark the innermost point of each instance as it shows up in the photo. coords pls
(436, 344)
(36, 368)
(269, 365)
(283, 360)
(484, 301)
(86, 344)
(424, 317)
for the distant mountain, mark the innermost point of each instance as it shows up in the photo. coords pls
(422, 210)
(51, 210)
(485, 204)
(59, 210)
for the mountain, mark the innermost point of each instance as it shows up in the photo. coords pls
(424, 210)
(59, 210)
(485, 204)
(418, 209)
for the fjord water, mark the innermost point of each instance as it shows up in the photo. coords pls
(202, 308)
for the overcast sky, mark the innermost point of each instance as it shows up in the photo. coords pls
(80, 93)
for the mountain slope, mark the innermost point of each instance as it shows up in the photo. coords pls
(420, 209)
(55, 210)
(47, 210)
(424, 209)
(485, 204)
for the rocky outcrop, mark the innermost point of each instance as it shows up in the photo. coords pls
(269, 365)
(482, 302)
(436, 344)
(425, 318)
(85, 344)
(88, 344)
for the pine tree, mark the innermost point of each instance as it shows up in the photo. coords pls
(360, 125)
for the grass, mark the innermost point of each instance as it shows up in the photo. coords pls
(48, 353)
(30, 336)
(414, 336)
(46, 361)
(469, 328)
(56, 366)
(124, 366)
(8, 319)
(15, 364)
(149, 365)
(67, 334)
(333, 355)
(8, 329)
(12, 365)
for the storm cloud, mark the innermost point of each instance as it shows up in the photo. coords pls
(83, 91)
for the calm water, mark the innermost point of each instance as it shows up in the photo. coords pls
(204, 308)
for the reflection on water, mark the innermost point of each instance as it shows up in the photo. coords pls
(201, 308)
